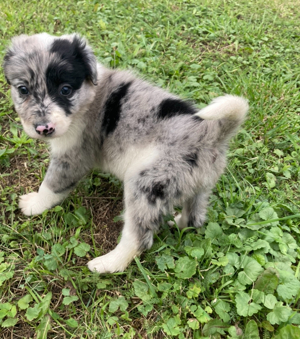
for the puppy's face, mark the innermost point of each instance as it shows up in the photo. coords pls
(52, 81)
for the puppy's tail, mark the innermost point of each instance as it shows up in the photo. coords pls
(229, 111)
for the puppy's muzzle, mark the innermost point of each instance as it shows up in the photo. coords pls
(45, 129)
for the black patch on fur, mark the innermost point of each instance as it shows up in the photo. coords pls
(112, 108)
(191, 159)
(169, 108)
(71, 68)
(157, 191)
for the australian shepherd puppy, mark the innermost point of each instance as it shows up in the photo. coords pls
(165, 150)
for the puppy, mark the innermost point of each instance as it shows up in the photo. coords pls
(165, 150)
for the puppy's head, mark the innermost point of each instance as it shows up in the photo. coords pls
(52, 81)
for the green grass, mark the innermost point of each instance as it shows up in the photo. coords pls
(238, 276)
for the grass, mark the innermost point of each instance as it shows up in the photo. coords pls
(238, 276)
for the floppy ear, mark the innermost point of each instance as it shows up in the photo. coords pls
(88, 57)
(75, 47)
(93, 66)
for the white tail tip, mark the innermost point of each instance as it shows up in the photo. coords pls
(228, 106)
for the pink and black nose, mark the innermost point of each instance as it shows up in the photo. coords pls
(45, 129)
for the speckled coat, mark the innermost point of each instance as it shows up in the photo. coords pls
(165, 150)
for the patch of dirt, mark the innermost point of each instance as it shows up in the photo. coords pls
(104, 208)
(21, 330)
(16, 179)
(104, 203)
(19, 175)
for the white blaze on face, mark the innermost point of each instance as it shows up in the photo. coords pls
(60, 120)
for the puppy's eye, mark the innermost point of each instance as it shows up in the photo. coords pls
(23, 90)
(66, 90)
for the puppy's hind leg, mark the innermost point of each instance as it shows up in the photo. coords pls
(139, 224)
(193, 211)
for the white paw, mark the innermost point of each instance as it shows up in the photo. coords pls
(109, 263)
(179, 222)
(176, 220)
(171, 223)
(32, 204)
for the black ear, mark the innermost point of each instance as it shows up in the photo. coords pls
(74, 48)
(88, 57)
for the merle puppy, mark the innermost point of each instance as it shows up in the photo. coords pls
(165, 150)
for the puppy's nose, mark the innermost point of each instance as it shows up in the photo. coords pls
(45, 129)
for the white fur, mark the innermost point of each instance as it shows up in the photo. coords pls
(133, 160)
(68, 140)
(227, 106)
(181, 221)
(37, 202)
(100, 71)
(43, 40)
(119, 258)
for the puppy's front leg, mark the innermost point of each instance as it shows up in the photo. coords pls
(37, 202)
(61, 177)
